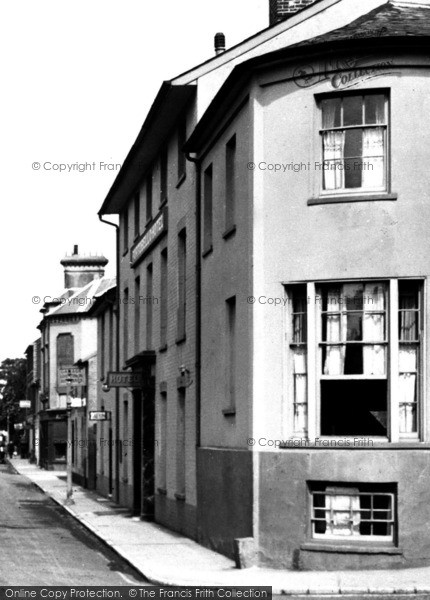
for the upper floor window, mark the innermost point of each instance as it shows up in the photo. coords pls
(65, 349)
(136, 213)
(182, 138)
(125, 230)
(163, 175)
(354, 143)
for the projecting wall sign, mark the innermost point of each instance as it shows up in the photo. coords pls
(145, 242)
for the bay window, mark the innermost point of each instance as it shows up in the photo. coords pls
(354, 359)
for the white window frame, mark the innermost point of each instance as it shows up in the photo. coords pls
(355, 515)
(313, 363)
(386, 140)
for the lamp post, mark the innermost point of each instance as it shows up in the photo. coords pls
(69, 500)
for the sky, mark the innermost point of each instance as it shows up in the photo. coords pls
(78, 78)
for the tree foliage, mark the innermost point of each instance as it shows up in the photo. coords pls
(12, 388)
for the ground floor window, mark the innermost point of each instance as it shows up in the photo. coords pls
(353, 512)
(355, 356)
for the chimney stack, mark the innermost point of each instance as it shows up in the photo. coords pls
(80, 270)
(279, 10)
(219, 43)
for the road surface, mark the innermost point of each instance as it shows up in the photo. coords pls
(41, 544)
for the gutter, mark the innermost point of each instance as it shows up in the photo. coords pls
(116, 309)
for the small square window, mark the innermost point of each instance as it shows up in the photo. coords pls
(353, 512)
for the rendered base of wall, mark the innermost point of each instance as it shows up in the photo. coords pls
(224, 498)
(284, 507)
(125, 491)
(176, 515)
(79, 479)
(57, 466)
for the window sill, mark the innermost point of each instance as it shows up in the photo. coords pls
(125, 252)
(162, 491)
(343, 548)
(181, 180)
(229, 232)
(229, 412)
(162, 348)
(180, 497)
(356, 198)
(206, 252)
(304, 444)
(136, 237)
(181, 339)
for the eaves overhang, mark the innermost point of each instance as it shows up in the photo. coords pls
(163, 116)
(236, 85)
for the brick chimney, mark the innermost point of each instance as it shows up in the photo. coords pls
(80, 269)
(282, 9)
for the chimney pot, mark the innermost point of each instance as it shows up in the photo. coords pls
(75, 249)
(219, 43)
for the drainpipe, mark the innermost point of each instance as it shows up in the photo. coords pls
(117, 368)
(197, 163)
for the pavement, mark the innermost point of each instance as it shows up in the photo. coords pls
(169, 559)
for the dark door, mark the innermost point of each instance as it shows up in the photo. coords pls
(148, 455)
(137, 452)
(110, 461)
(92, 457)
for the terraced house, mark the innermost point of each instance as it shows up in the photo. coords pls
(296, 430)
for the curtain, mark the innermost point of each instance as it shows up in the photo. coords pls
(300, 391)
(334, 142)
(373, 158)
(344, 508)
(373, 329)
(335, 355)
(407, 388)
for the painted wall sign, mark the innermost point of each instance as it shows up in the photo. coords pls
(149, 237)
(100, 415)
(341, 73)
(124, 379)
(72, 376)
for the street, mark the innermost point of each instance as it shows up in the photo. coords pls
(42, 545)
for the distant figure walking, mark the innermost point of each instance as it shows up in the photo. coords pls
(10, 449)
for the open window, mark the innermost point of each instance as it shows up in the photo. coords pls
(353, 349)
(355, 359)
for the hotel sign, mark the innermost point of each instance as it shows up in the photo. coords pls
(145, 242)
(126, 379)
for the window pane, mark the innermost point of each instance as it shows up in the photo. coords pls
(374, 108)
(352, 110)
(353, 359)
(354, 327)
(356, 408)
(331, 113)
(353, 154)
(353, 296)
